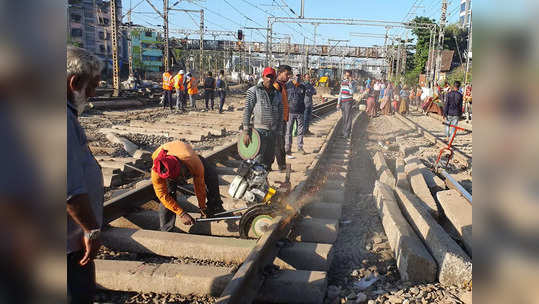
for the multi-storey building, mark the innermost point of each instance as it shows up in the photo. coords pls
(465, 15)
(147, 50)
(89, 27)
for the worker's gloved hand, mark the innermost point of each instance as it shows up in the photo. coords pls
(338, 106)
(246, 137)
(187, 219)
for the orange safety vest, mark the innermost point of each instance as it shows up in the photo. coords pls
(167, 81)
(192, 87)
(178, 82)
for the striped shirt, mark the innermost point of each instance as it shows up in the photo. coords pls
(266, 109)
(347, 91)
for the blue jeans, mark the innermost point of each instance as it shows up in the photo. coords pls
(452, 120)
(307, 116)
(222, 95)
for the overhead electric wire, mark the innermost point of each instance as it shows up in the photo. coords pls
(218, 14)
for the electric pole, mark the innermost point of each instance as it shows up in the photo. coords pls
(405, 55)
(201, 42)
(114, 40)
(469, 53)
(165, 33)
(129, 42)
(441, 40)
(399, 52)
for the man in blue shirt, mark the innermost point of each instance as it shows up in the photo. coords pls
(84, 180)
(452, 109)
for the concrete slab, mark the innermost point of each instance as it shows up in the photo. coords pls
(294, 286)
(414, 262)
(161, 278)
(305, 256)
(316, 230)
(420, 188)
(459, 212)
(402, 178)
(387, 178)
(228, 250)
(335, 196)
(454, 265)
(379, 162)
(335, 184)
(433, 181)
(407, 149)
(328, 210)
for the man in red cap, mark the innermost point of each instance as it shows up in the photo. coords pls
(173, 163)
(264, 105)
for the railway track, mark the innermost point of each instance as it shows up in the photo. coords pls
(462, 145)
(450, 180)
(286, 264)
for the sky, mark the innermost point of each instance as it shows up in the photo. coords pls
(231, 15)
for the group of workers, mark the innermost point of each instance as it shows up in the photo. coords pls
(187, 85)
(274, 107)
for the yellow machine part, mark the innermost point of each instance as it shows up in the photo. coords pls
(269, 195)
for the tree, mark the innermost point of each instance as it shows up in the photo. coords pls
(422, 44)
(456, 39)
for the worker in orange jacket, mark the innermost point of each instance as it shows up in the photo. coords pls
(173, 163)
(180, 90)
(192, 89)
(167, 89)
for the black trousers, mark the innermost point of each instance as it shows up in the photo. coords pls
(280, 153)
(208, 96)
(80, 279)
(167, 218)
(168, 98)
(267, 148)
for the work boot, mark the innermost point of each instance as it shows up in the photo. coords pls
(309, 133)
(300, 150)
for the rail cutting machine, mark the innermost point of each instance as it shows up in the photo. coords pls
(263, 202)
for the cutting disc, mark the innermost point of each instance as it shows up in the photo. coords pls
(251, 151)
(260, 225)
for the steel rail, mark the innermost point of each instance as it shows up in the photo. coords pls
(247, 281)
(463, 157)
(122, 204)
(454, 184)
